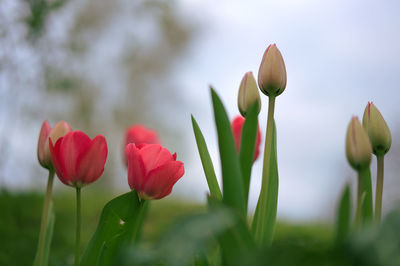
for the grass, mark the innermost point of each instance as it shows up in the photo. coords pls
(20, 222)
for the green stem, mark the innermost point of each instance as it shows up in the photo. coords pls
(78, 225)
(364, 198)
(379, 189)
(45, 217)
(139, 220)
(260, 230)
(359, 198)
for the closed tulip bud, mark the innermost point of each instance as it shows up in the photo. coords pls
(248, 93)
(77, 159)
(152, 170)
(377, 129)
(237, 126)
(358, 146)
(46, 132)
(272, 72)
(139, 134)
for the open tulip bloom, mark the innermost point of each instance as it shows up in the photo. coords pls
(152, 170)
(78, 161)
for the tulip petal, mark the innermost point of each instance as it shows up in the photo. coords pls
(237, 125)
(178, 175)
(72, 147)
(160, 180)
(154, 155)
(90, 162)
(58, 163)
(136, 168)
(148, 153)
(43, 136)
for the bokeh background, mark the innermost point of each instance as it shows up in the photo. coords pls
(105, 65)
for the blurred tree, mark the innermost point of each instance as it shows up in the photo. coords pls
(39, 10)
(101, 65)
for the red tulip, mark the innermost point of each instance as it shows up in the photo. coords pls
(139, 134)
(237, 125)
(152, 170)
(77, 159)
(46, 132)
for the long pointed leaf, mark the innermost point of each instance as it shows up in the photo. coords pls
(115, 228)
(247, 147)
(206, 161)
(232, 183)
(343, 216)
(264, 223)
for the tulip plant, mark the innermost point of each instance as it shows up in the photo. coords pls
(239, 148)
(78, 161)
(373, 136)
(228, 233)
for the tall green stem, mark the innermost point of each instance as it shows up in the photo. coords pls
(359, 199)
(78, 225)
(45, 218)
(379, 189)
(139, 220)
(364, 214)
(260, 228)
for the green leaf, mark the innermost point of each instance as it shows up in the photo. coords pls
(117, 222)
(206, 161)
(264, 223)
(189, 238)
(232, 183)
(201, 260)
(247, 147)
(366, 206)
(343, 216)
(236, 242)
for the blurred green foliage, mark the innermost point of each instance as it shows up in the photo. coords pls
(39, 12)
(20, 223)
(309, 244)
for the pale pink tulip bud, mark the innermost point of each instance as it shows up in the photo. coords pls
(46, 132)
(358, 146)
(377, 129)
(248, 93)
(272, 72)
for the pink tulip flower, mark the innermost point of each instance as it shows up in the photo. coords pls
(77, 159)
(152, 170)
